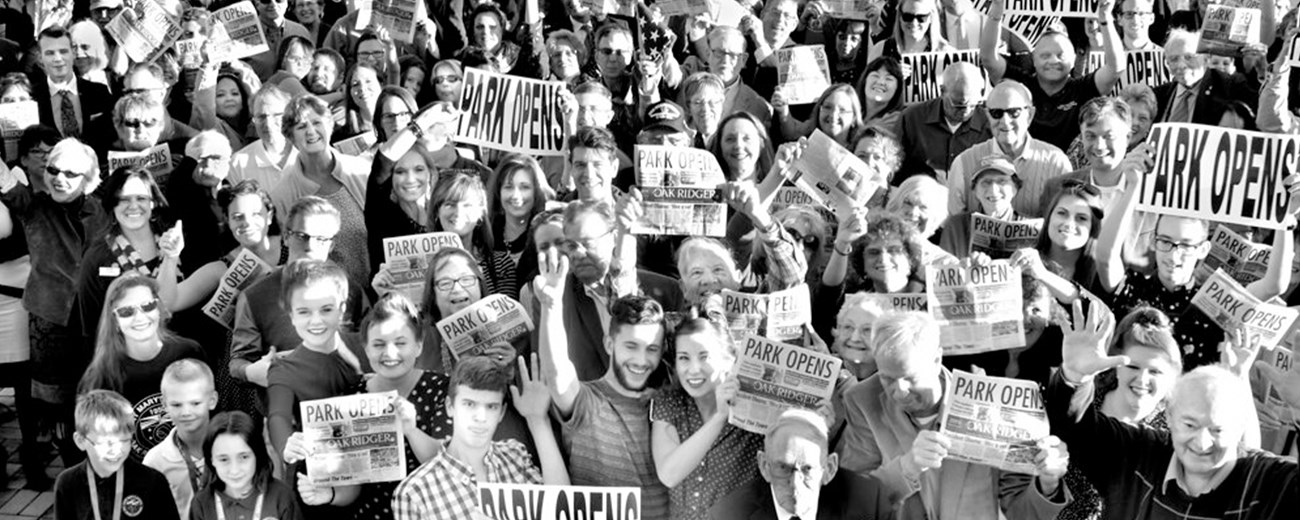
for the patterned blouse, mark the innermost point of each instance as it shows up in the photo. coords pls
(730, 463)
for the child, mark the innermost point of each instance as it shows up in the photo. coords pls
(447, 485)
(189, 395)
(108, 484)
(235, 454)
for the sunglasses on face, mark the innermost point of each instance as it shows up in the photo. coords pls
(913, 17)
(808, 240)
(139, 123)
(439, 80)
(997, 113)
(128, 311)
(67, 174)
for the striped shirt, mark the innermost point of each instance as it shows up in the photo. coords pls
(447, 488)
(608, 442)
(1038, 163)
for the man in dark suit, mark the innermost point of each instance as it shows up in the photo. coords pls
(801, 480)
(1197, 94)
(66, 102)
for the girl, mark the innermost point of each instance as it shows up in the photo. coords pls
(743, 148)
(1064, 256)
(458, 205)
(698, 455)
(519, 191)
(837, 113)
(132, 350)
(243, 487)
(394, 108)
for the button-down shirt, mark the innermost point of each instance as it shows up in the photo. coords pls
(56, 101)
(1037, 163)
(930, 142)
(1177, 474)
(447, 488)
(783, 514)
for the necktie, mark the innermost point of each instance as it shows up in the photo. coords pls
(1182, 112)
(68, 115)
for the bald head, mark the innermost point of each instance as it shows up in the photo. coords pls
(798, 423)
(963, 91)
(960, 74)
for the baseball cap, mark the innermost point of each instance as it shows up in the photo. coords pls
(96, 4)
(996, 164)
(666, 115)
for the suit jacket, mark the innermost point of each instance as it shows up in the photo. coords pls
(1214, 95)
(95, 100)
(848, 496)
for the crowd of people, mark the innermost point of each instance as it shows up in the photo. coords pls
(307, 156)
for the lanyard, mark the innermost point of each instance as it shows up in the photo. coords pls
(94, 493)
(257, 508)
(195, 474)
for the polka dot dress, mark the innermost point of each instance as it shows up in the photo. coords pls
(730, 463)
(1195, 332)
(428, 397)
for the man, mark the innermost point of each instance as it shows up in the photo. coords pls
(1011, 109)
(192, 194)
(594, 164)
(148, 80)
(65, 102)
(104, 11)
(595, 108)
(264, 160)
(1195, 94)
(728, 52)
(892, 434)
(936, 131)
(1199, 469)
(1057, 96)
(276, 27)
(1136, 17)
(802, 480)
(665, 124)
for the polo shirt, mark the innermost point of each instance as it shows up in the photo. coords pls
(1038, 163)
(1056, 116)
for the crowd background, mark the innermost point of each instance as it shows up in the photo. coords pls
(310, 154)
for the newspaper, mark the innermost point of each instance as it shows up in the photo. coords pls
(494, 319)
(1243, 260)
(775, 377)
(243, 271)
(979, 308)
(520, 501)
(803, 73)
(832, 174)
(1230, 305)
(849, 9)
(680, 190)
(681, 7)
(899, 301)
(157, 160)
(407, 259)
(1228, 26)
(357, 145)
(190, 52)
(144, 30)
(241, 33)
(1269, 401)
(353, 439)
(778, 316)
(14, 119)
(996, 421)
(999, 238)
(399, 16)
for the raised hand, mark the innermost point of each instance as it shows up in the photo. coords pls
(851, 228)
(928, 450)
(628, 210)
(1238, 350)
(554, 273)
(534, 399)
(725, 394)
(1292, 183)
(172, 242)
(788, 153)
(1051, 463)
(501, 353)
(1083, 350)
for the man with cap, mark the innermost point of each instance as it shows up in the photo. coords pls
(102, 11)
(994, 186)
(665, 124)
(802, 480)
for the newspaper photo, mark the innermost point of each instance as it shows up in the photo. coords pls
(353, 439)
(1230, 305)
(996, 421)
(494, 319)
(398, 16)
(979, 307)
(999, 238)
(243, 271)
(832, 174)
(1243, 260)
(803, 73)
(508, 501)
(778, 316)
(407, 259)
(775, 377)
(680, 190)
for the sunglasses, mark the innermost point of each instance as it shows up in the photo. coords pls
(128, 311)
(914, 17)
(438, 80)
(303, 237)
(997, 113)
(808, 241)
(139, 123)
(67, 174)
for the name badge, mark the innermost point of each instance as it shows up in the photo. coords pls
(110, 271)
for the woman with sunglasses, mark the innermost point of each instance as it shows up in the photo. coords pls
(446, 78)
(916, 29)
(132, 350)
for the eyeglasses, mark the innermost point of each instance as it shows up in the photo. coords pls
(128, 311)
(1134, 14)
(371, 54)
(913, 17)
(783, 470)
(997, 113)
(211, 159)
(393, 116)
(438, 80)
(445, 284)
(809, 240)
(130, 91)
(303, 237)
(1164, 245)
(874, 251)
(571, 246)
(139, 123)
(105, 11)
(109, 443)
(68, 174)
(726, 55)
(609, 51)
(707, 103)
(1190, 59)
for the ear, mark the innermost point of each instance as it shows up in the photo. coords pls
(212, 401)
(832, 466)
(609, 345)
(80, 441)
(762, 466)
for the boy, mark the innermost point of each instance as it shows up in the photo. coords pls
(107, 484)
(447, 485)
(189, 393)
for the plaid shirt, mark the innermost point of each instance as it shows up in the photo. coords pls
(446, 488)
(785, 267)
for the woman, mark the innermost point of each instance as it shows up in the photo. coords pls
(546, 232)
(1063, 258)
(518, 192)
(233, 100)
(248, 212)
(14, 88)
(310, 14)
(698, 455)
(994, 185)
(487, 34)
(845, 49)
(885, 250)
(743, 148)
(704, 94)
(293, 64)
(413, 73)
(567, 53)
(378, 53)
(883, 156)
(921, 201)
(459, 205)
(132, 349)
(881, 88)
(916, 29)
(837, 113)
(447, 81)
(362, 101)
(393, 111)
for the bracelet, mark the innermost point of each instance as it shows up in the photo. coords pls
(836, 248)
(419, 132)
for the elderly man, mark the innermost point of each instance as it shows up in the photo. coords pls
(265, 159)
(1010, 108)
(802, 480)
(192, 194)
(892, 434)
(728, 53)
(1199, 469)
(936, 131)
(1057, 96)
(1196, 94)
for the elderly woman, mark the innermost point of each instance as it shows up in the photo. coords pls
(265, 159)
(566, 54)
(916, 29)
(884, 156)
(139, 120)
(704, 95)
(837, 113)
(921, 201)
(325, 172)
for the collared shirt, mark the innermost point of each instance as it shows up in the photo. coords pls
(69, 86)
(1191, 92)
(447, 488)
(169, 461)
(1037, 163)
(783, 514)
(351, 171)
(962, 30)
(1177, 474)
(256, 163)
(930, 142)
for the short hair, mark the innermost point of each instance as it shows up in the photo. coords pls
(1212, 380)
(15, 79)
(593, 87)
(303, 273)
(217, 138)
(693, 84)
(725, 31)
(1101, 106)
(189, 370)
(899, 334)
(394, 305)
(436, 261)
(71, 145)
(239, 424)
(1140, 95)
(95, 408)
(566, 37)
(53, 32)
(340, 65)
(1150, 328)
(227, 196)
(579, 208)
(1015, 86)
(858, 300)
(1191, 40)
(888, 145)
(926, 187)
(136, 102)
(798, 418)
(111, 192)
(288, 43)
(480, 373)
(310, 205)
(634, 309)
(152, 68)
(304, 103)
(269, 92)
(693, 245)
(35, 135)
(709, 317)
(594, 138)
(1203, 223)
(610, 27)
(454, 187)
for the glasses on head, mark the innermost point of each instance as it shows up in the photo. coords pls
(997, 113)
(393, 116)
(109, 443)
(128, 311)
(68, 174)
(446, 284)
(316, 239)
(139, 123)
(1164, 245)
(913, 17)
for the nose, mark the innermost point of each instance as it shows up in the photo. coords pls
(1203, 440)
(902, 389)
(391, 351)
(859, 335)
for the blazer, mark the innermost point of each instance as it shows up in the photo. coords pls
(1214, 95)
(95, 100)
(848, 496)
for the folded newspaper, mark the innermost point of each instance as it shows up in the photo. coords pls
(1230, 305)
(407, 258)
(999, 238)
(1243, 260)
(996, 421)
(779, 316)
(979, 307)
(246, 268)
(353, 439)
(775, 377)
(494, 319)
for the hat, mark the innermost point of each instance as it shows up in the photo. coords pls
(998, 164)
(666, 115)
(96, 4)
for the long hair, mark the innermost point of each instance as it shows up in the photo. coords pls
(892, 66)
(436, 263)
(105, 371)
(505, 170)
(389, 92)
(354, 120)
(111, 192)
(241, 425)
(765, 154)
(453, 189)
(854, 101)
(1085, 269)
(933, 34)
(242, 121)
(708, 317)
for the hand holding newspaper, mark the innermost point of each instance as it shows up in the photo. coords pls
(246, 268)
(996, 421)
(778, 316)
(833, 175)
(1232, 306)
(979, 307)
(353, 439)
(774, 377)
(406, 259)
(494, 319)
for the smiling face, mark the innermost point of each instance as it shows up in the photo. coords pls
(914, 383)
(614, 54)
(475, 415)
(1054, 58)
(1013, 127)
(235, 463)
(915, 17)
(741, 145)
(135, 205)
(564, 61)
(392, 348)
(995, 190)
(447, 83)
(322, 229)
(1186, 239)
(593, 170)
(635, 351)
(461, 216)
(780, 19)
(272, 10)
(589, 244)
(464, 290)
(371, 53)
(887, 264)
(1106, 140)
(307, 11)
(706, 271)
(212, 163)
(1147, 379)
(1206, 429)
(189, 404)
(394, 115)
(142, 325)
(727, 56)
(487, 31)
(706, 110)
(316, 312)
(364, 87)
(1069, 226)
(66, 176)
(268, 118)
(1136, 17)
(517, 194)
(701, 363)
(1185, 66)
(411, 177)
(230, 100)
(413, 81)
(594, 109)
(880, 86)
(248, 219)
(107, 446)
(87, 47)
(852, 343)
(312, 132)
(836, 115)
(324, 75)
(1142, 119)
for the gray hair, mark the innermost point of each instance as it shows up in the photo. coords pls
(796, 418)
(213, 137)
(900, 335)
